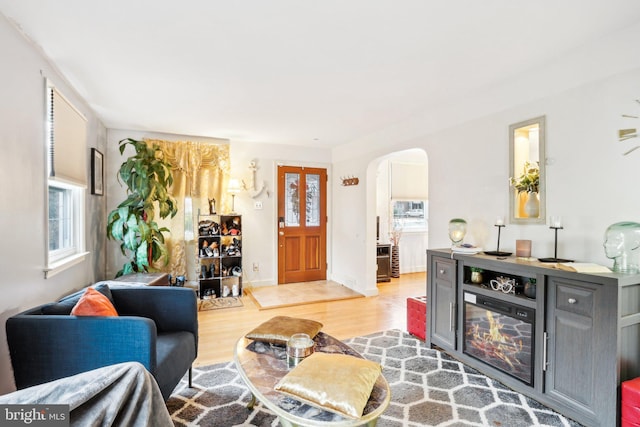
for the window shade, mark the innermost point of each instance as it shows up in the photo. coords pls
(409, 181)
(67, 147)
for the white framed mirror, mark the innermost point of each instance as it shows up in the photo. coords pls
(527, 194)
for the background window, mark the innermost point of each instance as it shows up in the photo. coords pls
(410, 215)
(61, 220)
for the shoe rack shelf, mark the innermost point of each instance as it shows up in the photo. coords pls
(219, 255)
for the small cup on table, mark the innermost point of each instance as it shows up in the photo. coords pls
(299, 346)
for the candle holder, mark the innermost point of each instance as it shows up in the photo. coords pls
(498, 252)
(523, 249)
(555, 248)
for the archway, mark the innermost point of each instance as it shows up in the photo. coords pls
(398, 206)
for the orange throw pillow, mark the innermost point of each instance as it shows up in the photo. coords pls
(93, 303)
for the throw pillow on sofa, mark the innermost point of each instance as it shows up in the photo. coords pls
(66, 304)
(93, 303)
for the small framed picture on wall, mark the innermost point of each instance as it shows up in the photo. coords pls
(97, 172)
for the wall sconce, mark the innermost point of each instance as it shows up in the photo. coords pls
(233, 188)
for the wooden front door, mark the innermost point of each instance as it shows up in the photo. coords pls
(302, 224)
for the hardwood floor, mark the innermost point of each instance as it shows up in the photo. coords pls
(220, 329)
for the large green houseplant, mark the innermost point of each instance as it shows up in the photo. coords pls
(147, 176)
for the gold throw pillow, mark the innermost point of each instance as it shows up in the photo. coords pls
(338, 383)
(279, 329)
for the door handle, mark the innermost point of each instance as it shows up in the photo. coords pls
(545, 361)
(281, 233)
(450, 316)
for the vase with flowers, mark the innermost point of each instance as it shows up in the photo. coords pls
(395, 233)
(529, 183)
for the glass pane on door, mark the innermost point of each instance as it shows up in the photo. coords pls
(313, 200)
(292, 200)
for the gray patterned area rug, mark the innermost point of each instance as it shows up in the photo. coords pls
(428, 388)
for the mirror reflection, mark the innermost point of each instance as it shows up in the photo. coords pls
(526, 173)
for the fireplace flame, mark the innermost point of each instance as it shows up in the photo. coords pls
(494, 344)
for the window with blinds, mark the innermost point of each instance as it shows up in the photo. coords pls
(67, 182)
(67, 140)
(409, 195)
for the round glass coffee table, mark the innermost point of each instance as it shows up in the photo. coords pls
(262, 365)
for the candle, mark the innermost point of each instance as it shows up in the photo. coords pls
(523, 248)
(556, 221)
(500, 220)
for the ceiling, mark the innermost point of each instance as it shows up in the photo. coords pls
(298, 72)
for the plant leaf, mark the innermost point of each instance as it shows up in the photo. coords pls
(142, 259)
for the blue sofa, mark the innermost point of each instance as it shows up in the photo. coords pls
(156, 326)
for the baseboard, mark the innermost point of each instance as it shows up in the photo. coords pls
(415, 269)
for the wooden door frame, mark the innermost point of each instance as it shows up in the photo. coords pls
(327, 167)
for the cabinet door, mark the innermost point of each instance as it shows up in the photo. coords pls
(443, 302)
(384, 268)
(573, 343)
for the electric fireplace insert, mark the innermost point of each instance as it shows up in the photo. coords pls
(500, 334)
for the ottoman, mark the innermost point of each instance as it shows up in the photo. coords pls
(630, 405)
(417, 316)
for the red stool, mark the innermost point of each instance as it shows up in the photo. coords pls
(630, 405)
(417, 316)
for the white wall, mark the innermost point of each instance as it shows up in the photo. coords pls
(24, 188)
(589, 183)
(259, 240)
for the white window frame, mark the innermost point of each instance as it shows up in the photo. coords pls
(409, 223)
(58, 260)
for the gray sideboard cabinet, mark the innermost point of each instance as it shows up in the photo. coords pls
(442, 317)
(582, 336)
(586, 333)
